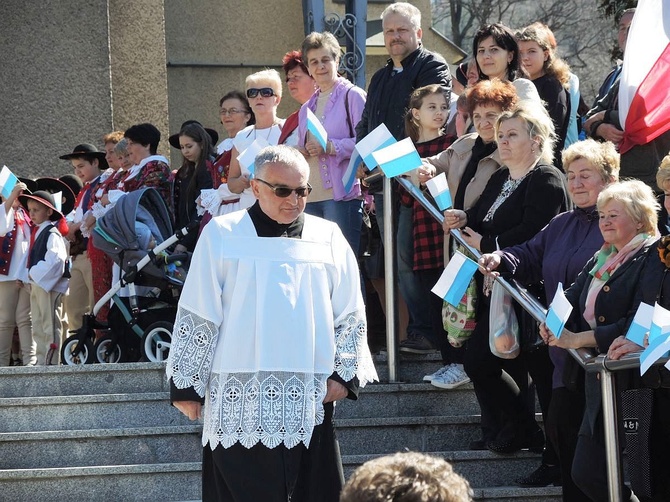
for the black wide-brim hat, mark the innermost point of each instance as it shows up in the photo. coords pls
(87, 150)
(54, 185)
(45, 198)
(73, 182)
(30, 183)
(174, 139)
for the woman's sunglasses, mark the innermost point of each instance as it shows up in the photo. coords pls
(283, 192)
(265, 92)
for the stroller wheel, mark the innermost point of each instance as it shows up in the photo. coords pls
(70, 357)
(107, 350)
(156, 341)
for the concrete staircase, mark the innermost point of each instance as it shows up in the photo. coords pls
(107, 433)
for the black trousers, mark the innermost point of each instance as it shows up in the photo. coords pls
(298, 474)
(566, 411)
(504, 401)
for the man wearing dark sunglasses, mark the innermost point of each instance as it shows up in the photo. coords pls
(270, 332)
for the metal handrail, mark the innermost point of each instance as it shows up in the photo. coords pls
(587, 358)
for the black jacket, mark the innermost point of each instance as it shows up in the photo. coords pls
(616, 302)
(388, 96)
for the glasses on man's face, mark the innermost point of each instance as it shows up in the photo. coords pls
(283, 192)
(231, 111)
(265, 92)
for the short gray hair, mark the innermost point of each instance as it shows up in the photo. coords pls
(406, 10)
(280, 154)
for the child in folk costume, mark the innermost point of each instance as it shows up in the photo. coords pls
(88, 163)
(48, 273)
(14, 289)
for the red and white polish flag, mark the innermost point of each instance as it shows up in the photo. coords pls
(644, 91)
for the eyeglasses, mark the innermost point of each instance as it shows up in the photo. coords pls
(231, 111)
(283, 192)
(265, 92)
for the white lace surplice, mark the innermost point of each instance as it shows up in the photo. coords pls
(262, 323)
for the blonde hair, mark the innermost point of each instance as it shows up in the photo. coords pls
(663, 173)
(406, 477)
(638, 200)
(270, 78)
(406, 10)
(544, 37)
(538, 124)
(603, 156)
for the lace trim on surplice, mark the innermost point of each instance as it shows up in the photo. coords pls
(270, 407)
(352, 355)
(191, 352)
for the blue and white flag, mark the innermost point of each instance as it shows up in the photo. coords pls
(248, 156)
(398, 158)
(7, 181)
(349, 176)
(455, 279)
(439, 189)
(58, 201)
(559, 312)
(380, 137)
(316, 128)
(641, 324)
(659, 339)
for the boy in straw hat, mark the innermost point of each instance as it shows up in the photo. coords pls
(47, 258)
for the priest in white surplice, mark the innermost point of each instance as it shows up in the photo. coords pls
(270, 331)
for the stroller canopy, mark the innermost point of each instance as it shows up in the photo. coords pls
(115, 233)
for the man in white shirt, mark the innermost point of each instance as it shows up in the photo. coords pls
(271, 331)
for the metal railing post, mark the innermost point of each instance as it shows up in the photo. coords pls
(390, 283)
(608, 389)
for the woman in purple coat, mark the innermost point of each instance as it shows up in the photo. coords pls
(556, 255)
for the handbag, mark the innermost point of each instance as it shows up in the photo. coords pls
(503, 324)
(459, 321)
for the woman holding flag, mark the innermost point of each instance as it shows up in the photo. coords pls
(518, 201)
(556, 255)
(327, 136)
(604, 298)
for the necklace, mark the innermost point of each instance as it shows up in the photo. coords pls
(507, 189)
(267, 137)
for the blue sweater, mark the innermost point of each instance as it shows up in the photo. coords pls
(556, 254)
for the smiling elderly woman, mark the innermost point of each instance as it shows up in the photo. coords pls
(604, 300)
(556, 255)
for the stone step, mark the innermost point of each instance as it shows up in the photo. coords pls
(78, 380)
(390, 434)
(361, 436)
(481, 468)
(411, 367)
(139, 483)
(80, 448)
(111, 411)
(409, 399)
(518, 494)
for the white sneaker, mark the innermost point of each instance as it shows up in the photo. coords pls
(451, 378)
(441, 371)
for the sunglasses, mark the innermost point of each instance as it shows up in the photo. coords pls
(265, 92)
(283, 192)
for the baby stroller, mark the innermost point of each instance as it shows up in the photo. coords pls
(144, 299)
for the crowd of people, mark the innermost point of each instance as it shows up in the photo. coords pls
(541, 203)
